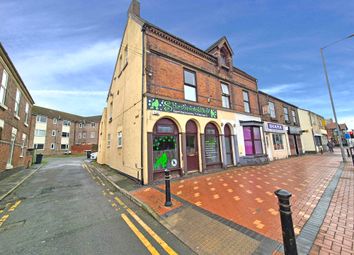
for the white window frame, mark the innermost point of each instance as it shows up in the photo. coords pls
(39, 118)
(24, 138)
(54, 132)
(187, 86)
(92, 135)
(40, 133)
(26, 113)
(55, 121)
(246, 101)
(286, 114)
(3, 86)
(17, 102)
(272, 112)
(293, 114)
(52, 146)
(225, 95)
(120, 139)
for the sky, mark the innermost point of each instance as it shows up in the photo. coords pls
(65, 51)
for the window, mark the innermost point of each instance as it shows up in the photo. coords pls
(108, 140)
(93, 124)
(246, 101)
(66, 123)
(26, 113)
(80, 125)
(24, 138)
(3, 87)
(253, 140)
(64, 146)
(111, 112)
(54, 133)
(1, 128)
(41, 118)
(223, 58)
(278, 141)
(119, 139)
(65, 134)
(126, 55)
(294, 116)
(272, 110)
(17, 102)
(55, 121)
(190, 92)
(52, 146)
(92, 135)
(80, 135)
(84, 135)
(39, 146)
(286, 114)
(39, 132)
(225, 95)
(211, 141)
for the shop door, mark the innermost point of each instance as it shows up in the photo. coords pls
(228, 145)
(192, 146)
(292, 145)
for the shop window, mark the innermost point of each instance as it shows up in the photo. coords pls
(246, 101)
(225, 95)
(211, 145)
(190, 90)
(165, 145)
(278, 141)
(272, 110)
(253, 140)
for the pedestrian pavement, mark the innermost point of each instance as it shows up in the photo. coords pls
(236, 212)
(12, 178)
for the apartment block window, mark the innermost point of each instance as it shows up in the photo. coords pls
(3, 87)
(26, 113)
(65, 134)
(225, 95)
(41, 118)
(84, 135)
(190, 90)
(93, 124)
(80, 125)
(246, 101)
(119, 139)
(272, 110)
(24, 138)
(1, 128)
(108, 140)
(17, 102)
(39, 146)
(253, 140)
(278, 141)
(55, 121)
(286, 114)
(79, 135)
(64, 146)
(52, 146)
(92, 135)
(66, 123)
(39, 132)
(54, 133)
(294, 116)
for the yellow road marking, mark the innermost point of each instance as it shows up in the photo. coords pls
(1, 211)
(163, 244)
(114, 204)
(141, 237)
(120, 202)
(12, 208)
(3, 219)
(111, 193)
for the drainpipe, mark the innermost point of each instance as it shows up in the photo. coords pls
(142, 107)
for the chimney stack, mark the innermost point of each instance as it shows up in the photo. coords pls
(134, 8)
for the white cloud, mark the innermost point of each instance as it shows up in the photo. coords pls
(349, 120)
(281, 88)
(56, 93)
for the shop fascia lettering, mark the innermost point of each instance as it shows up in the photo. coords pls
(275, 127)
(163, 105)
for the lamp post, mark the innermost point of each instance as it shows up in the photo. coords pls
(330, 93)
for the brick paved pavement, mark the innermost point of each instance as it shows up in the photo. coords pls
(336, 235)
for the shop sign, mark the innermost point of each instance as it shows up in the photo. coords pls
(274, 127)
(294, 130)
(163, 105)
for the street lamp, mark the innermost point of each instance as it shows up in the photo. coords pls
(330, 93)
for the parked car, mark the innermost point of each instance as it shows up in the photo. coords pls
(67, 152)
(93, 155)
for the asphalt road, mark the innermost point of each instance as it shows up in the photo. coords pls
(65, 209)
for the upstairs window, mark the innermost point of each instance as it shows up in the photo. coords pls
(126, 55)
(2, 123)
(84, 135)
(65, 134)
(272, 110)
(40, 132)
(294, 116)
(108, 140)
(225, 95)
(26, 113)
(92, 135)
(286, 114)
(223, 59)
(190, 91)
(55, 121)
(54, 133)
(66, 123)
(79, 136)
(3, 87)
(119, 139)
(246, 101)
(41, 118)
(93, 124)
(17, 102)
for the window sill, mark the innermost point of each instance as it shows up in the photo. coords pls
(17, 117)
(21, 156)
(26, 125)
(120, 147)
(4, 107)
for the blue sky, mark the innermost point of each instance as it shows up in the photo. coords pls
(65, 50)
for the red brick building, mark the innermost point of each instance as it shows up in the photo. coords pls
(15, 116)
(55, 132)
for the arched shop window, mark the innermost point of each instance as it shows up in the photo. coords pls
(228, 144)
(212, 148)
(165, 145)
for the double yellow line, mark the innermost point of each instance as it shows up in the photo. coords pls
(6, 216)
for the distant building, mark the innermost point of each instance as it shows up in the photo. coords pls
(314, 135)
(332, 130)
(281, 127)
(55, 132)
(15, 116)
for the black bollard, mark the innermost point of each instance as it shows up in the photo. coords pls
(348, 153)
(286, 222)
(168, 188)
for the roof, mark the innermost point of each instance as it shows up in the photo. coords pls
(15, 73)
(50, 113)
(333, 125)
(221, 40)
(263, 93)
